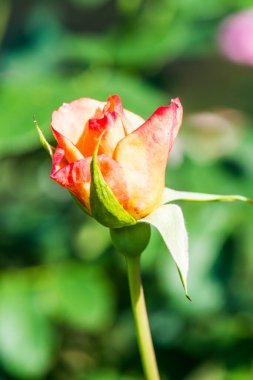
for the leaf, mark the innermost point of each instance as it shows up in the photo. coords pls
(49, 148)
(171, 195)
(169, 221)
(105, 208)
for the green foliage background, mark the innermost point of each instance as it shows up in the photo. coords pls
(64, 303)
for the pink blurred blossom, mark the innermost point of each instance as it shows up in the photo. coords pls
(235, 37)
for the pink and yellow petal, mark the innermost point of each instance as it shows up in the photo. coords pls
(109, 124)
(114, 105)
(71, 152)
(143, 157)
(129, 120)
(114, 177)
(76, 178)
(111, 127)
(58, 160)
(70, 119)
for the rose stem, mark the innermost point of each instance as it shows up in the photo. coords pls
(141, 319)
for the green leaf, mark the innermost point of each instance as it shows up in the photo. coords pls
(49, 148)
(105, 207)
(169, 221)
(26, 339)
(171, 195)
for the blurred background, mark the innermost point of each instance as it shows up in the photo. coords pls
(64, 303)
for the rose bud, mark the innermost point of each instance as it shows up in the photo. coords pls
(108, 154)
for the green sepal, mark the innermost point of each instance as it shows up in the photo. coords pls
(131, 241)
(105, 207)
(169, 221)
(49, 148)
(171, 195)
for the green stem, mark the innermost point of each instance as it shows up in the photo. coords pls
(141, 319)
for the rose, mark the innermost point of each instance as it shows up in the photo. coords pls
(113, 162)
(132, 152)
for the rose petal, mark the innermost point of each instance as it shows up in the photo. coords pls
(114, 124)
(71, 152)
(129, 120)
(75, 177)
(114, 105)
(59, 160)
(132, 121)
(143, 156)
(111, 125)
(114, 177)
(70, 119)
